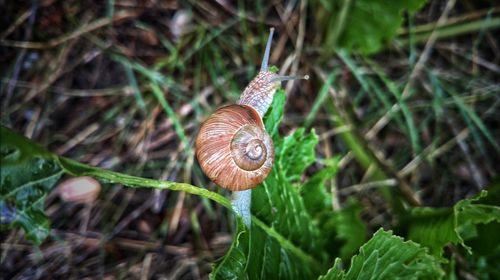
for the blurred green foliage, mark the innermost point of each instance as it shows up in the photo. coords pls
(362, 26)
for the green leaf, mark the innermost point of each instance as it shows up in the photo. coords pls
(274, 115)
(232, 265)
(437, 227)
(345, 228)
(313, 192)
(295, 153)
(349, 228)
(386, 256)
(366, 26)
(290, 157)
(486, 247)
(29, 172)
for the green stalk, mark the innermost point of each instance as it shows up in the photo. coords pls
(454, 30)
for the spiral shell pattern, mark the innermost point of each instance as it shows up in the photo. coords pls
(233, 148)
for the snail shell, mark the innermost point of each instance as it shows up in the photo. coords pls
(233, 148)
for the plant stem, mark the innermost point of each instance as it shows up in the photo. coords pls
(455, 30)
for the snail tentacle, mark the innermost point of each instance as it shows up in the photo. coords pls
(265, 59)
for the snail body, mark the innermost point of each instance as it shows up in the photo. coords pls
(233, 148)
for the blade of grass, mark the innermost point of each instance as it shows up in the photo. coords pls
(408, 116)
(368, 85)
(338, 24)
(203, 41)
(185, 146)
(153, 75)
(110, 8)
(247, 51)
(455, 30)
(382, 96)
(172, 60)
(135, 87)
(158, 93)
(470, 115)
(213, 64)
(360, 77)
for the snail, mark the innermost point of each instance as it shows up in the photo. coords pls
(233, 148)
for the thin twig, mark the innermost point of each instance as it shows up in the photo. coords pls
(78, 138)
(146, 266)
(17, 22)
(432, 153)
(368, 185)
(428, 27)
(20, 58)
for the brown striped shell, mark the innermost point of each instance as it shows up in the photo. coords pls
(233, 148)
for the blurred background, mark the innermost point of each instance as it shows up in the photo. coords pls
(401, 93)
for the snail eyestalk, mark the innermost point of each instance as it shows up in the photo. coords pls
(265, 59)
